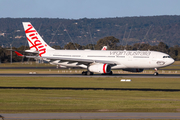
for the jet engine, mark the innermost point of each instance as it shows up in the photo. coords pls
(100, 68)
(133, 70)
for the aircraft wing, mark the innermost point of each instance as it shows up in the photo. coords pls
(80, 61)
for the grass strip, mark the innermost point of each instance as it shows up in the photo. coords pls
(90, 82)
(29, 100)
(15, 101)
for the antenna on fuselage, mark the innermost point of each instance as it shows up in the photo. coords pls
(70, 37)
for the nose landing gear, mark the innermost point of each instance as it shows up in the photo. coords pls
(156, 73)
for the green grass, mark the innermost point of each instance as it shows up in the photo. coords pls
(176, 63)
(41, 71)
(114, 82)
(172, 67)
(26, 100)
(88, 101)
(26, 64)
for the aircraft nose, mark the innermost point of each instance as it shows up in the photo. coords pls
(171, 61)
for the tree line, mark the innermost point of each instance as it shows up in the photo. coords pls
(111, 42)
(149, 29)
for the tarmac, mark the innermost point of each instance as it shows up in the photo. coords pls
(104, 115)
(95, 75)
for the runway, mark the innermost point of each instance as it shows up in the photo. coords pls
(95, 75)
(126, 115)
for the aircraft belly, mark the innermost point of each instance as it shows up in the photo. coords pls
(118, 67)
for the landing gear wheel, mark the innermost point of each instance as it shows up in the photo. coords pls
(156, 73)
(107, 73)
(111, 73)
(84, 73)
(87, 73)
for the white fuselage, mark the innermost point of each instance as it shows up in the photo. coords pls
(122, 58)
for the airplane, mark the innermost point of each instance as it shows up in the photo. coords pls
(95, 61)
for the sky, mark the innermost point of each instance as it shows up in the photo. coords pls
(77, 9)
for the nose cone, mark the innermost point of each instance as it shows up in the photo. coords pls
(170, 61)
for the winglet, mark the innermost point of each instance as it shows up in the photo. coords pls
(19, 54)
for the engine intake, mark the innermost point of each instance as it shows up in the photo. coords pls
(100, 68)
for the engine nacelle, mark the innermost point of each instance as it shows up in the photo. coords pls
(133, 70)
(100, 68)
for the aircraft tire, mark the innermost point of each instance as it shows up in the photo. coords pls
(111, 73)
(89, 73)
(84, 73)
(107, 73)
(156, 73)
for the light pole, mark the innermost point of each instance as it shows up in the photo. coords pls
(11, 52)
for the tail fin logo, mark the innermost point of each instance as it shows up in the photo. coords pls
(32, 37)
(104, 48)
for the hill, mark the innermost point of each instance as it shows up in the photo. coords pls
(130, 30)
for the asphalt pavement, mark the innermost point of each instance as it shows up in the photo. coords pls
(106, 115)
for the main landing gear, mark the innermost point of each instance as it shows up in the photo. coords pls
(91, 73)
(87, 73)
(156, 73)
(107, 73)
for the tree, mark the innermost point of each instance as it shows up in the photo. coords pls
(56, 47)
(162, 47)
(72, 46)
(109, 41)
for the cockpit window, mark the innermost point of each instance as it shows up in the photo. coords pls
(166, 57)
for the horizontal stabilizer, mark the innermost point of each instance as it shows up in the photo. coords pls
(19, 54)
(32, 51)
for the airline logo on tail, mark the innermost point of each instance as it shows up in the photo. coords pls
(34, 39)
(104, 48)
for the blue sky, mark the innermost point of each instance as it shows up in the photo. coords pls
(76, 9)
